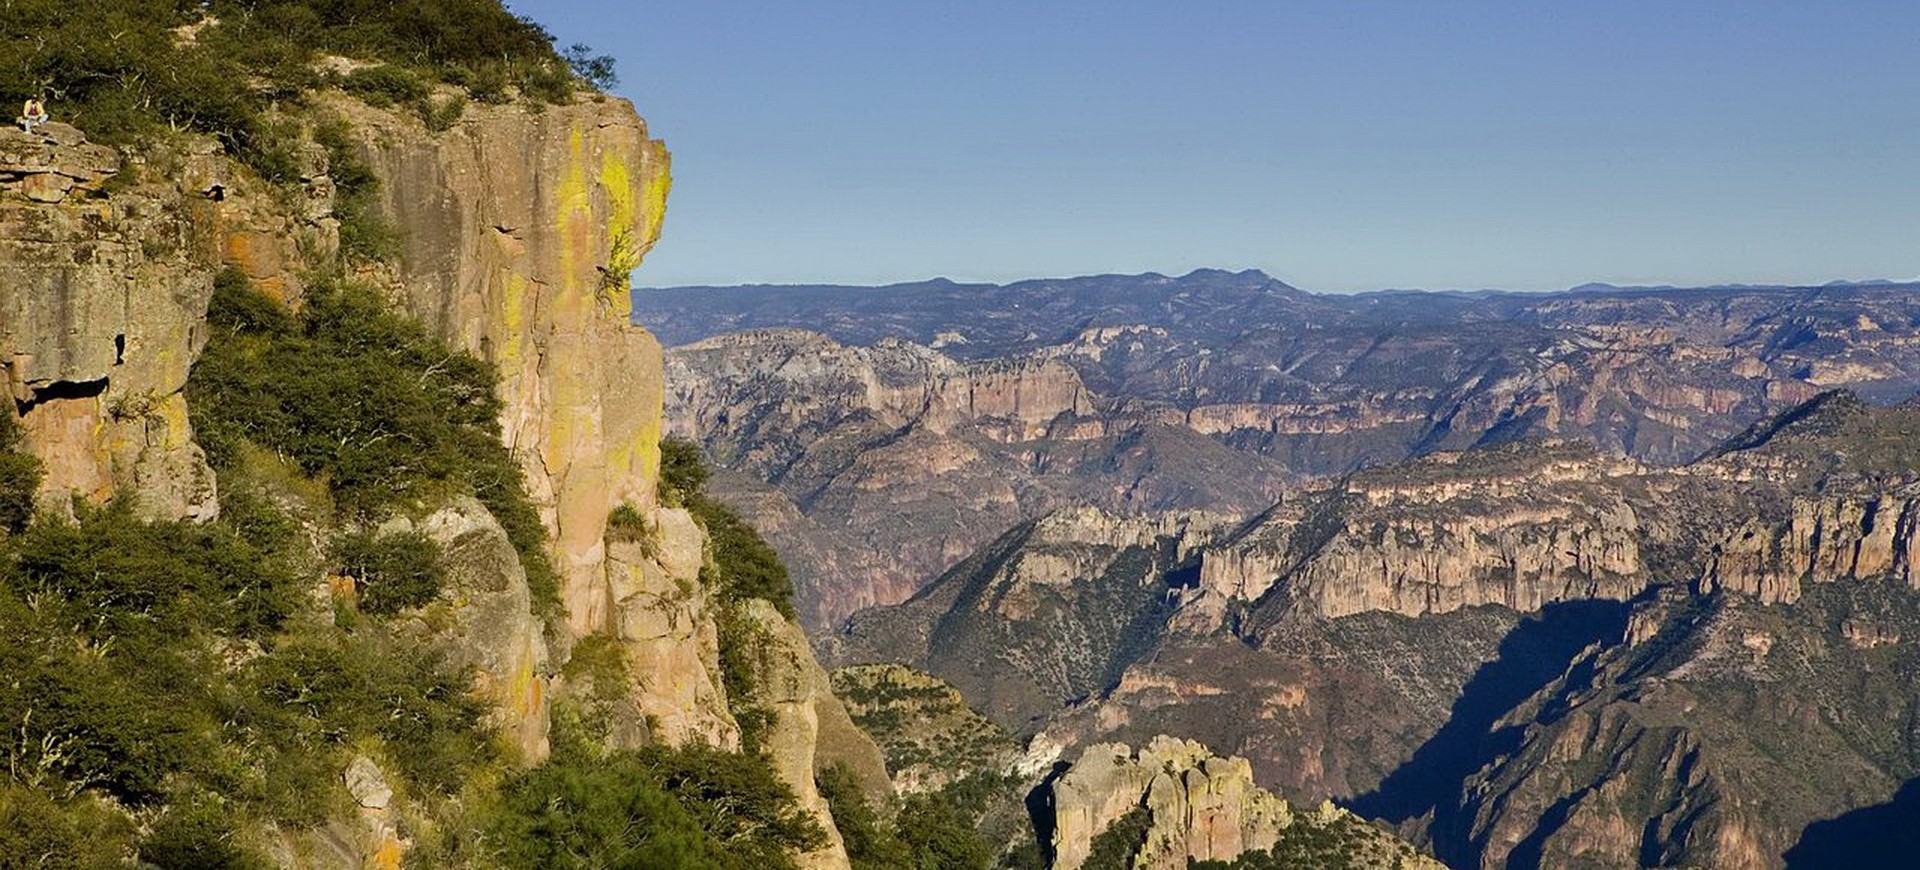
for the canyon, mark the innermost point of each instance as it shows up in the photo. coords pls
(1519, 575)
(954, 409)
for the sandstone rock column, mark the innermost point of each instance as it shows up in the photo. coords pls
(520, 230)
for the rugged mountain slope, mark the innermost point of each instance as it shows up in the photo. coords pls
(1713, 734)
(1049, 614)
(959, 408)
(885, 465)
(1521, 652)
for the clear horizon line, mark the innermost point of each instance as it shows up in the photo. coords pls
(1631, 285)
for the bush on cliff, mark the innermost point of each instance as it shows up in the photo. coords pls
(693, 807)
(743, 565)
(740, 567)
(392, 571)
(19, 477)
(126, 70)
(364, 400)
(165, 667)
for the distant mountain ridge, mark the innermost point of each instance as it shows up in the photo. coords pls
(684, 314)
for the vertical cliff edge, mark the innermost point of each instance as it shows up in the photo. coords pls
(517, 230)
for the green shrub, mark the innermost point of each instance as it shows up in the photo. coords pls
(133, 578)
(393, 571)
(441, 115)
(938, 831)
(117, 69)
(695, 807)
(326, 690)
(626, 523)
(744, 648)
(1113, 848)
(37, 831)
(385, 85)
(743, 564)
(871, 844)
(237, 307)
(197, 835)
(20, 475)
(365, 233)
(683, 474)
(596, 69)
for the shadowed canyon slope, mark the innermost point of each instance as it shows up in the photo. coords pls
(1531, 655)
(956, 408)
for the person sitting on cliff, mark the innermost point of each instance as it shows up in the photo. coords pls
(33, 114)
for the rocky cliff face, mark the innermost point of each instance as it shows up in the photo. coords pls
(1197, 807)
(1520, 527)
(874, 468)
(101, 315)
(519, 231)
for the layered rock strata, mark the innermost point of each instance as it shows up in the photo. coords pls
(1293, 384)
(874, 468)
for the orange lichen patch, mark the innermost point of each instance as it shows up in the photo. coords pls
(258, 256)
(388, 855)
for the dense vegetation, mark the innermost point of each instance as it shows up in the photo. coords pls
(697, 808)
(937, 830)
(172, 686)
(124, 70)
(1113, 848)
(363, 400)
(164, 689)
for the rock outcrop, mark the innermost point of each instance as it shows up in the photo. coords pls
(521, 231)
(491, 621)
(1198, 807)
(1051, 612)
(874, 468)
(101, 316)
(1839, 537)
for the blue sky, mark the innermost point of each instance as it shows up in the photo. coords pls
(1339, 145)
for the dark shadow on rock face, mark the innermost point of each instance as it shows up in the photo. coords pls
(1040, 814)
(1538, 650)
(1877, 836)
